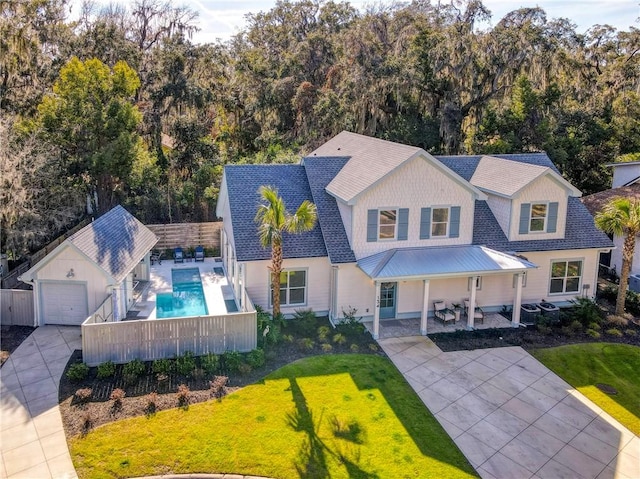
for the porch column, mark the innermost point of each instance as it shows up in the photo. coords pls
(517, 301)
(425, 307)
(376, 313)
(471, 312)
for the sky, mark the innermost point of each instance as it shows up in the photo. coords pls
(220, 19)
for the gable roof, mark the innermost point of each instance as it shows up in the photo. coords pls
(243, 182)
(115, 242)
(370, 160)
(596, 201)
(489, 176)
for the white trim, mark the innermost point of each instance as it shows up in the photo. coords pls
(545, 218)
(564, 292)
(306, 288)
(448, 222)
(395, 225)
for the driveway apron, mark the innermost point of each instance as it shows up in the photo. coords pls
(33, 440)
(512, 417)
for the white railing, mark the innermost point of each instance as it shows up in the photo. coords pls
(148, 340)
(104, 313)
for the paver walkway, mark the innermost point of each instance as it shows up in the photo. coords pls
(512, 417)
(33, 443)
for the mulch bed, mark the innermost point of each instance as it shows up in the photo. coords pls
(10, 338)
(78, 418)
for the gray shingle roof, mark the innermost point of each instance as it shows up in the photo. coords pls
(320, 171)
(116, 242)
(243, 182)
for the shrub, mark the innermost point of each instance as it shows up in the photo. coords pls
(323, 333)
(106, 370)
(304, 322)
(630, 332)
(77, 372)
(232, 360)
(182, 395)
(256, 358)
(244, 368)
(133, 368)
(567, 331)
(593, 333)
(595, 326)
(354, 348)
(83, 395)
(288, 338)
(576, 326)
(339, 338)
(117, 395)
(210, 363)
(326, 348)
(350, 326)
(373, 347)
(617, 320)
(585, 311)
(185, 364)
(306, 344)
(218, 386)
(269, 329)
(162, 366)
(614, 332)
(152, 402)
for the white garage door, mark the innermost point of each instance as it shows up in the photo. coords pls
(64, 303)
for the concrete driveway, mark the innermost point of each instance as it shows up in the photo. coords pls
(33, 441)
(512, 417)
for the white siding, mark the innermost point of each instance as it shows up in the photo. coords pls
(223, 210)
(501, 209)
(84, 271)
(414, 185)
(318, 281)
(355, 290)
(616, 256)
(542, 190)
(624, 173)
(345, 213)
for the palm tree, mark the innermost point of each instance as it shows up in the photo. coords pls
(273, 220)
(621, 217)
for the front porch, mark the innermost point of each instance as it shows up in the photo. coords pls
(399, 328)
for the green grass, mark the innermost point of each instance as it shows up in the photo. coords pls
(585, 365)
(334, 416)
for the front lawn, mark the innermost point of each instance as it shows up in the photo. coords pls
(585, 365)
(325, 416)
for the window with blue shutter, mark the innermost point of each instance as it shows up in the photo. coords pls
(525, 212)
(372, 225)
(403, 224)
(425, 223)
(552, 220)
(454, 227)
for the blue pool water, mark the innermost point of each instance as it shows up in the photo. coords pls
(187, 298)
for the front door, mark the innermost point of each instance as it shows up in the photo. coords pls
(388, 300)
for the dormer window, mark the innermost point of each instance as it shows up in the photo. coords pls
(439, 222)
(538, 220)
(387, 224)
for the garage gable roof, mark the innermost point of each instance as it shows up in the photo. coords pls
(115, 242)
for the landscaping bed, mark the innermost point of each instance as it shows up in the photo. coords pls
(10, 338)
(151, 391)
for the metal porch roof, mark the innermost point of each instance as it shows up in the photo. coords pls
(444, 261)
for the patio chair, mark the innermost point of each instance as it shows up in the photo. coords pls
(178, 255)
(199, 253)
(156, 256)
(478, 314)
(444, 314)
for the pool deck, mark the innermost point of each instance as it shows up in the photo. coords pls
(215, 286)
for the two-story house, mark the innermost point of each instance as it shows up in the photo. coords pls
(398, 228)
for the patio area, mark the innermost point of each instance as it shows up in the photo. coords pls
(218, 293)
(399, 328)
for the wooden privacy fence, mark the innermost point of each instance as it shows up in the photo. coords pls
(187, 235)
(16, 307)
(148, 340)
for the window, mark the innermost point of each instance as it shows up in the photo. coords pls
(537, 222)
(478, 283)
(293, 288)
(387, 224)
(439, 222)
(565, 277)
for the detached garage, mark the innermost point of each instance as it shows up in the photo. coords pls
(89, 267)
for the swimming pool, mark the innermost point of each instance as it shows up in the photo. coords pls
(187, 298)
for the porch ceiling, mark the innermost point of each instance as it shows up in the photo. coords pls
(442, 261)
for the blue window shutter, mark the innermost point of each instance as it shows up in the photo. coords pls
(425, 223)
(552, 220)
(403, 224)
(525, 216)
(454, 226)
(372, 225)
